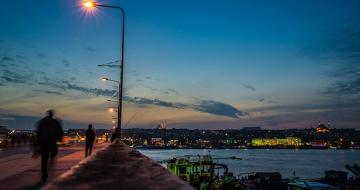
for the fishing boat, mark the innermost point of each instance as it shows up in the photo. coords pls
(202, 172)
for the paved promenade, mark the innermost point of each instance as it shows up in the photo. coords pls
(118, 166)
(20, 171)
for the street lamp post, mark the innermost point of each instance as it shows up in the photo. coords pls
(92, 4)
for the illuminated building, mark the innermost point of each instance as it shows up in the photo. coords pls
(172, 142)
(203, 143)
(157, 142)
(288, 141)
(322, 128)
(319, 144)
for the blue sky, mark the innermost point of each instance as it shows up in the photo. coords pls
(196, 64)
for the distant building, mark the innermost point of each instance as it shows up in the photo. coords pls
(322, 128)
(173, 142)
(157, 142)
(203, 143)
(162, 125)
(251, 129)
(288, 141)
(319, 144)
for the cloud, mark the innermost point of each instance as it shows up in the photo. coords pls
(90, 49)
(48, 92)
(343, 48)
(249, 87)
(13, 77)
(41, 55)
(112, 64)
(66, 85)
(66, 62)
(205, 106)
(261, 99)
(20, 57)
(7, 61)
(157, 102)
(219, 108)
(171, 90)
(6, 58)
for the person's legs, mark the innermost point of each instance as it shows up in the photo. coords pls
(86, 149)
(53, 154)
(90, 148)
(44, 163)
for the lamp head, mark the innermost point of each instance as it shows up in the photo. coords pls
(89, 4)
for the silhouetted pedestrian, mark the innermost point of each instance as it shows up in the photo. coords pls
(89, 138)
(114, 134)
(48, 130)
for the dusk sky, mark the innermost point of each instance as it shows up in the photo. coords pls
(209, 64)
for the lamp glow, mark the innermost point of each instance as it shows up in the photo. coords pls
(89, 4)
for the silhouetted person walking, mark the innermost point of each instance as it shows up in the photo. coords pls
(90, 138)
(114, 134)
(49, 131)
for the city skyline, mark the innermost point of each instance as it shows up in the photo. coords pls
(196, 64)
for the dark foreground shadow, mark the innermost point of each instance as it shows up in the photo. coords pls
(36, 186)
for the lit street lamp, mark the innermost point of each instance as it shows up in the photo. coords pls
(107, 79)
(112, 110)
(91, 5)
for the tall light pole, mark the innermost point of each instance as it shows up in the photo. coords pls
(93, 4)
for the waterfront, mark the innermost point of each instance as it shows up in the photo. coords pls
(306, 163)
